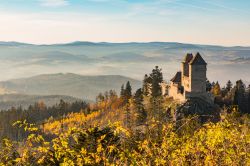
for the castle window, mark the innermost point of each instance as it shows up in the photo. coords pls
(181, 89)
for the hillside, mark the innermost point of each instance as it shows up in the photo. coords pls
(15, 100)
(83, 87)
(128, 59)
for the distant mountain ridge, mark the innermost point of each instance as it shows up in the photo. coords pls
(88, 43)
(132, 59)
(69, 84)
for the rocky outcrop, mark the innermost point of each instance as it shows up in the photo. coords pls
(206, 110)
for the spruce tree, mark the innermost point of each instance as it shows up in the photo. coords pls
(208, 86)
(141, 113)
(127, 97)
(147, 85)
(156, 100)
(229, 85)
(128, 91)
(216, 90)
(122, 93)
(213, 84)
(100, 98)
(239, 96)
(157, 79)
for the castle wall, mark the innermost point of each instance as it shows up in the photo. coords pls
(185, 80)
(174, 92)
(198, 78)
(186, 83)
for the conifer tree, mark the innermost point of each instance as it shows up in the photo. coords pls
(122, 93)
(213, 84)
(239, 96)
(141, 113)
(156, 109)
(208, 86)
(147, 85)
(216, 90)
(112, 94)
(128, 91)
(126, 98)
(229, 85)
(100, 98)
(157, 79)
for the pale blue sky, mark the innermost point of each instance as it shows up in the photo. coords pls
(222, 22)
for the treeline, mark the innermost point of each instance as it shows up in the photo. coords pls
(162, 142)
(230, 95)
(36, 113)
(142, 131)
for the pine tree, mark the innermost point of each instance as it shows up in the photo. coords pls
(106, 95)
(156, 109)
(100, 98)
(112, 94)
(141, 113)
(216, 90)
(229, 85)
(157, 79)
(122, 93)
(213, 84)
(147, 85)
(127, 97)
(239, 96)
(128, 91)
(208, 86)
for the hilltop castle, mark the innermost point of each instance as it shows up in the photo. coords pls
(191, 80)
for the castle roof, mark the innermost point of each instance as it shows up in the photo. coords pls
(197, 60)
(177, 77)
(188, 58)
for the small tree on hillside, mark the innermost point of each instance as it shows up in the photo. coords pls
(122, 93)
(100, 98)
(216, 90)
(208, 86)
(127, 98)
(239, 96)
(128, 91)
(147, 85)
(157, 79)
(141, 113)
(156, 108)
(229, 85)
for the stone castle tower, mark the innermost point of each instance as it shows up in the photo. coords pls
(191, 80)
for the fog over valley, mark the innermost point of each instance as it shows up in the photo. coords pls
(18, 60)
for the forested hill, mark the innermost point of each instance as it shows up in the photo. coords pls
(84, 87)
(8, 101)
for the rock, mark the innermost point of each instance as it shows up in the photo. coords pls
(206, 110)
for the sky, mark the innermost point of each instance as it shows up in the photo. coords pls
(216, 22)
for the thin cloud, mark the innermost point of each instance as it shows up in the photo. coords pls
(226, 7)
(154, 7)
(54, 3)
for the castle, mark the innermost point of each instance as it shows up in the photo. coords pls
(191, 80)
